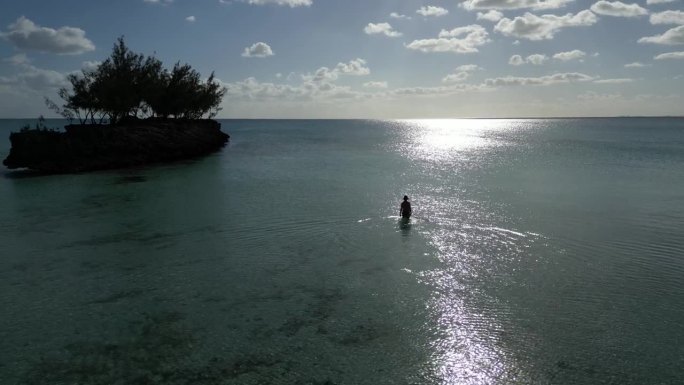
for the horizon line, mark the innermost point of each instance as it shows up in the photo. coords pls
(432, 118)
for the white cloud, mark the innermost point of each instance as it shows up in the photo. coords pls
(534, 59)
(90, 65)
(379, 85)
(670, 55)
(570, 55)
(533, 27)
(18, 59)
(26, 35)
(618, 9)
(491, 15)
(395, 15)
(514, 4)
(461, 73)
(252, 89)
(431, 10)
(673, 36)
(593, 96)
(319, 86)
(158, 1)
(456, 77)
(355, 67)
(613, 81)
(537, 59)
(259, 49)
(459, 40)
(290, 3)
(434, 91)
(468, 67)
(667, 17)
(636, 64)
(558, 78)
(649, 2)
(381, 28)
(36, 79)
(516, 60)
(191, 19)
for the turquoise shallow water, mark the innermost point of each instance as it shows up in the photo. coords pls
(540, 252)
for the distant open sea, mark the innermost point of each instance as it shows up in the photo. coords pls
(542, 251)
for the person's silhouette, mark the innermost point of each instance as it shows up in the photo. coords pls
(405, 210)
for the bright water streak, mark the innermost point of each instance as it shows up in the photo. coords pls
(540, 251)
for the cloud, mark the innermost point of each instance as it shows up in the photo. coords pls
(468, 67)
(18, 59)
(431, 10)
(592, 96)
(36, 79)
(533, 27)
(514, 4)
(252, 89)
(636, 64)
(570, 55)
(558, 78)
(516, 60)
(456, 77)
(395, 15)
(191, 19)
(670, 55)
(355, 67)
(26, 35)
(290, 3)
(461, 73)
(491, 15)
(667, 17)
(673, 36)
(535, 59)
(318, 86)
(90, 65)
(158, 1)
(650, 2)
(618, 9)
(375, 85)
(613, 81)
(434, 91)
(381, 28)
(259, 49)
(458, 40)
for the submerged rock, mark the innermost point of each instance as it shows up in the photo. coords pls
(97, 147)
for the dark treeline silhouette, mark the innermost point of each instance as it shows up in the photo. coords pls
(129, 85)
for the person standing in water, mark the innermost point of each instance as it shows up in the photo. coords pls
(405, 210)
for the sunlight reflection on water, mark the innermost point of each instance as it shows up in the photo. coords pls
(440, 138)
(466, 346)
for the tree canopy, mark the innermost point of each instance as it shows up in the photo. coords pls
(130, 85)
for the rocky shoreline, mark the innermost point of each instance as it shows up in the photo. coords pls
(91, 147)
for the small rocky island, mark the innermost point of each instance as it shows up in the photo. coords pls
(131, 112)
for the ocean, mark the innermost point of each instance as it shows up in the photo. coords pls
(540, 251)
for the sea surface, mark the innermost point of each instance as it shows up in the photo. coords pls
(540, 252)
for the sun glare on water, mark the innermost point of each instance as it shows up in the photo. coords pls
(465, 347)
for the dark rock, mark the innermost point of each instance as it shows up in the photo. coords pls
(97, 147)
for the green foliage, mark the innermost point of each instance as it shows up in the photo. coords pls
(128, 84)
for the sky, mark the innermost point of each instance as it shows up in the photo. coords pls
(367, 58)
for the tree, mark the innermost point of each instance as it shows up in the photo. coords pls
(128, 84)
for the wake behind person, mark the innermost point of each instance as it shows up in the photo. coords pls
(405, 210)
